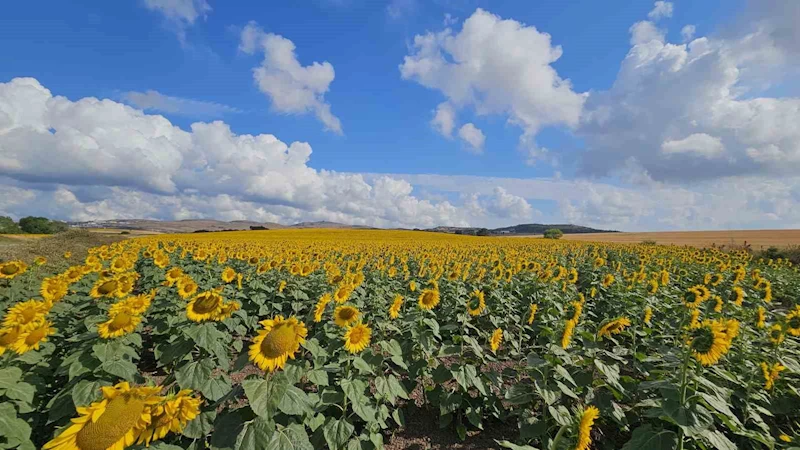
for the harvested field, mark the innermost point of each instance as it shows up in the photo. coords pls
(757, 239)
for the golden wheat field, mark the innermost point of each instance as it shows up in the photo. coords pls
(344, 339)
(756, 239)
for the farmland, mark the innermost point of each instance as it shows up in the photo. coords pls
(756, 239)
(317, 338)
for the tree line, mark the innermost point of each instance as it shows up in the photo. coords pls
(31, 225)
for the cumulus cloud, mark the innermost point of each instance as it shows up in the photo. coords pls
(644, 32)
(685, 112)
(473, 137)
(687, 32)
(181, 14)
(444, 119)
(94, 158)
(506, 205)
(496, 66)
(158, 102)
(661, 9)
(292, 87)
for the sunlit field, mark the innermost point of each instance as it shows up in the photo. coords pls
(310, 339)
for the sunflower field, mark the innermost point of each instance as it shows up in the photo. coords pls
(309, 339)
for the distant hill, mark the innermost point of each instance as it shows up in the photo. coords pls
(521, 229)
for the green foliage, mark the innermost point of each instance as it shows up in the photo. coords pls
(553, 233)
(8, 226)
(41, 225)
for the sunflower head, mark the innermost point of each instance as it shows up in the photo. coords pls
(118, 324)
(615, 326)
(26, 315)
(228, 275)
(709, 342)
(11, 269)
(496, 340)
(776, 335)
(205, 306)
(186, 287)
(357, 338)
(476, 303)
(278, 341)
(397, 304)
(172, 414)
(428, 299)
(344, 315)
(32, 338)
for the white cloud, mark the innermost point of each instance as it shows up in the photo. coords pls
(505, 205)
(707, 90)
(473, 136)
(181, 14)
(99, 159)
(496, 66)
(661, 9)
(687, 32)
(449, 20)
(156, 101)
(444, 119)
(700, 144)
(397, 9)
(292, 87)
(644, 32)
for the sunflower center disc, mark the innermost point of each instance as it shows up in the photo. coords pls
(119, 418)
(107, 287)
(279, 341)
(10, 269)
(120, 321)
(206, 304)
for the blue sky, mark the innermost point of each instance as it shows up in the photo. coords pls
(626, 166)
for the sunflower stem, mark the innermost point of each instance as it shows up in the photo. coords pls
(684, 385)
(559, 435)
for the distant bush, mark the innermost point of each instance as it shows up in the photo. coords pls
(41, 225)
(257, 227)
(8, 226)
(649, 242)
(790, 253)
(553, 233)
(126, 232)
(482, 232)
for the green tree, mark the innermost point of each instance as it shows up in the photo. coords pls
(8, 226)
(553, 233)
(41, 225)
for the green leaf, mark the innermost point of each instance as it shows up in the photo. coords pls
(549, 396)
(718, 440)
(255, 433)
(227, 428)
(519, 394)
(693, 421)
(120, 368)
(364, 409)
(397, 388)
(399, 417)
(295, 402)
(337, 432)
(353, 389)
(563, 372)
(216, 387)
(293, 437)
(610, 373)
(265, 395)
(645, 438)
(318, 377)
(362, 365)
(441, 374)
(193, 375)
(207, 337)
(86, 392)
(15, 431)
(201, 425)
(561, 415)
(163, 446)
(565, 389)
(173, 351)
(9, 377)
(512, 446)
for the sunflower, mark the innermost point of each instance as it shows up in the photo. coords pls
(11, 269)
(105, 287)
(345, 315)
(652, 287)
(694, 321)
(228, 275)
(281, 286)
(793, 322)
(776, 335)
(716, 279)
(7, 337)
(709, 342)
(664, 277)
(171, 415)
(126, 281)
(114, 423)
(161, 260)
(118, 324)
(768, 294)
(173, 275)
(54, 289)
(357, 338)
(648, 315)
(319, 309)
(496, 340)
(615, 326)
(771, 374)
(31, 338)
(573, 276)
(577, 309)
(228, 308)
(608, 280)
(136, 305)
(428, 299)
(718, 304)
(412, 286)
(394, 310)
(588, 417)
(532, 314)
(278, 341)
(593, 292)
(761, 322)
(343, 293)
(696, 295)
(186, 287)
(67, 255)
(737, 296)
(476, 303)
(25, 315)
(205, 306)
(73, 274)
(569, 328)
